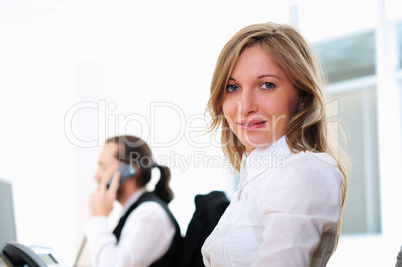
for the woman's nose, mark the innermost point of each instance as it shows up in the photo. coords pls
(247, 103)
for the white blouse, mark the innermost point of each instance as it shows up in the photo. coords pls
(284, 213)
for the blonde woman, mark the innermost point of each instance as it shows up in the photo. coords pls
(267, 94)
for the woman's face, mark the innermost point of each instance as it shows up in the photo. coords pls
(259, 99)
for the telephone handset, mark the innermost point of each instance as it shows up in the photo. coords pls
(16, 254)
(126, 172)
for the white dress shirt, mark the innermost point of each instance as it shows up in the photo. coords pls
(146, 236)
(285, 212)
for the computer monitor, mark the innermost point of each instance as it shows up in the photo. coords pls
(7, 219)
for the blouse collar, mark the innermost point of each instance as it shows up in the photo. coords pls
(264, 158)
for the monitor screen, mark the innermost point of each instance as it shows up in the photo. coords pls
(7, 220)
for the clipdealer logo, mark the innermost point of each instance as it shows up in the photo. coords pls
(110, 123)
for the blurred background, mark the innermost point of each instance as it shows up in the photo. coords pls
(73, 73)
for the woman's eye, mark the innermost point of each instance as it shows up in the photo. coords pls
(232, 88)
(268, 86)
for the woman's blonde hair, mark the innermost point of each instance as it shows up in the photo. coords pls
(307, 128)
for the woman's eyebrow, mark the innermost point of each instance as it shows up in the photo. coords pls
(259, 77)
(267, 75)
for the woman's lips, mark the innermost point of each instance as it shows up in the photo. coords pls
(252, 124)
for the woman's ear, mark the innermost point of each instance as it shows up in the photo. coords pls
(300, 105)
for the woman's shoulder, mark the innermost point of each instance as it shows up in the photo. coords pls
(305, 180)
(312, 159)
(309, 166)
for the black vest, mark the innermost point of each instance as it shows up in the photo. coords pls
(171, 257)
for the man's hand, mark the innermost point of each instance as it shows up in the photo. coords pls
(101, 201)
